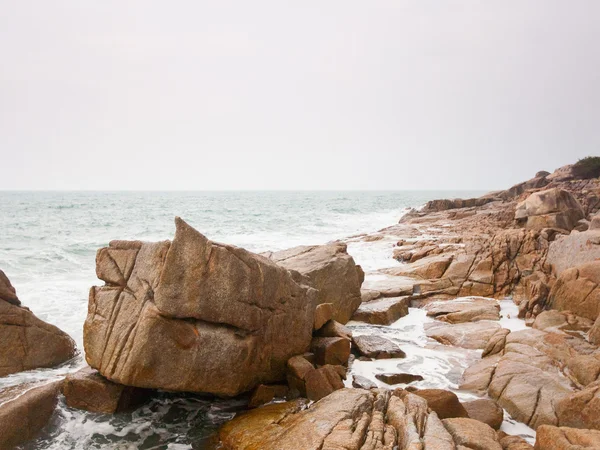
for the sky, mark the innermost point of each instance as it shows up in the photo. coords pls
(383, 95)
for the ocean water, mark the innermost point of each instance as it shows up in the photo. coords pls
(48, 243)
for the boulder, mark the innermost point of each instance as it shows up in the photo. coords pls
(573, 250)
(28, 342)
(194, 315)
(330, 350)
(398, 378)
(323, 381)
(468, 309)
(334, 329)
(515, 443)
(361, 382)
(323, 314)
(552, 208)
(383, 311)
(265, 393)
(576, 290)
(25, 411)
(90, 391)
(444, 403)
(391, 286)
(427, 268)
(580, 409)
(331, 271)
(564, 438)
(377, 347)
(473, 335)
(486, 411)
(472, 434)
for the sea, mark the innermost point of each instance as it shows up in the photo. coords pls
(48, 244)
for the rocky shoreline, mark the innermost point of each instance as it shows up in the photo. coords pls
(283, 329)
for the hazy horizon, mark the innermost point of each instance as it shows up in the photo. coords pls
(269, 96)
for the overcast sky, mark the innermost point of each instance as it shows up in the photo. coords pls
(295, 95)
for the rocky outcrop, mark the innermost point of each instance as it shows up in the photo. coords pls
(552, 208)
(28, 342)
(564, 438)
(573, 250)
(355, 419)
(90, 391)
(577, 290)
(194, 315)
(331, 271)
(25, 411)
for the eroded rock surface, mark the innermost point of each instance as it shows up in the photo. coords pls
(194, 315)
(382, 311)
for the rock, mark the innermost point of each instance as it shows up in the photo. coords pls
(573, 250)
(496, 343)
(323, 314)
(515, 443)
(473, 335)
(330, 350)
(298, 367)
(576, 290)
(561, 320)
(472, 434)
(377, 347)
(432, 267)
(444, 403)
(334, 329)
(391, 286)
(486, 411)
(90, 391)
(580, 409)
(26, 412)
(180, 315)
(563, 438)
(28, 342)
(552, 208)
(478, 376)
(7, 291)
(265, 393)
(361, 382)
(331, 271)
(368, 295)
(383, 311)
(446, 204)
(468, 309)
(323, 381)
(398, 378)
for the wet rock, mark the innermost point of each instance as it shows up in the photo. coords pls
(323, 314)
(377, 347)
(382, 311)
(180, 315)
(331, 271)
(444, 403)
(473, 335)
(564, 438)
(398, 378)
(472, 434)
(361, 382)
(468, 309)
(552, 208)
(25, 412)
(330, 350)
(576, 290)
(265, 393)
(90, 391)
(574, 249)
(334, 329)
(28, 342)
(486, 411)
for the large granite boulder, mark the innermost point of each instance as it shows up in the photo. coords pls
(573, 250)
(194, 315)
(24, 411)
(329, 269)
(576, 290)
(28, 342)
(565, 438)
(382, 311)
(473, 335)
(552, 208)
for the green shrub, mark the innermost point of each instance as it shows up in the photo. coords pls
(588, 167)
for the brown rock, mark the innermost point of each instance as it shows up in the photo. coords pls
(7, 291)
(331, 271)
(469, 309)
(472, 434)
(478, 376)
(377, 347)
(26, 412)
(90, 391)
(431, 267)
(577, 290)
(323, 381)
(580, 409)
(473, 335)
(28, 342)
(323, 314)
(330, 350)
(191, 311)
(444, 403)
(383, 311)
(398, 378)
(563, 438)
(552, 208)
(486, 411)
(361, 382)
(265, 393)
(515, 443)
(334, 329)
(574, 249)
(391, 286)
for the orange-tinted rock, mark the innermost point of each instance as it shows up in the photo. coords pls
(323, 314)
(444, 403)
(330, 350)
(564, 438)
(486, 411)
(382, 311)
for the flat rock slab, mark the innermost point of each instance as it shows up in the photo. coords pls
(472, 335)
(382, 311)
(465, 309)
(428, 268)
(391, 286)
(377, 347)
(398, 378)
